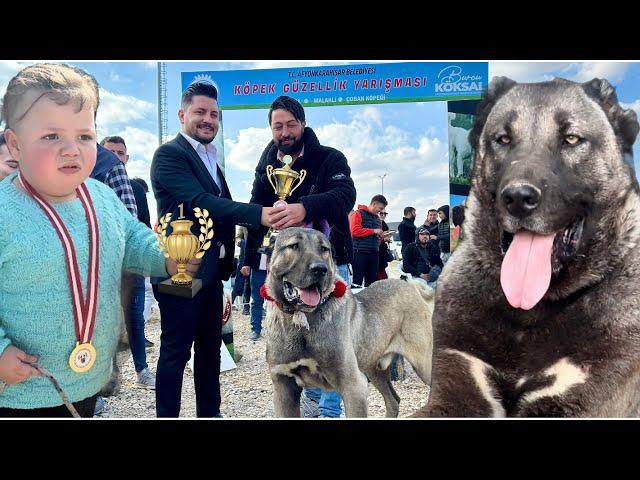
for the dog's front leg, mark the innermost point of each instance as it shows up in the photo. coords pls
(354, 391)
(286, 396)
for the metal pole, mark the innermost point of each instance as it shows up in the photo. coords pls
(159, 67)
(382, 180)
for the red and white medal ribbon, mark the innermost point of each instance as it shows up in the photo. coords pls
(84, 310)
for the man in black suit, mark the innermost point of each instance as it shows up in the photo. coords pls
(185, 175)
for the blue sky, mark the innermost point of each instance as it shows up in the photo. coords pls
(408, 142)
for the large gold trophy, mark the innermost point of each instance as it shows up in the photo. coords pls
(181, 246)
(283, 180)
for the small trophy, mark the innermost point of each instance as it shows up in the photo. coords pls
(283, 186)
(181, 246)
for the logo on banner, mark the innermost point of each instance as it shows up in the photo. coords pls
(204, 78)
(452, 80)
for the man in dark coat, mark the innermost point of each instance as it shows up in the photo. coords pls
(322, 201)
(184, 176)
(407, 227)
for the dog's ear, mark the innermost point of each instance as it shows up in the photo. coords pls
(624, 122)
(496, 89)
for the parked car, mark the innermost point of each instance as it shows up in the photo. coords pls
(395, 247)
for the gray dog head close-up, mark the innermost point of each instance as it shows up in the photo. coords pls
(302, 272)
(552, 169)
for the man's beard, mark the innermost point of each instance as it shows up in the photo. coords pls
(202, 140)
(295, 147)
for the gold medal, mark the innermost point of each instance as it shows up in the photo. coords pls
(82, 358)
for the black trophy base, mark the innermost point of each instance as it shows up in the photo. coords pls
(185, 291)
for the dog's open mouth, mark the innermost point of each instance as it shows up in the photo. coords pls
(530, 259)
(309, 296)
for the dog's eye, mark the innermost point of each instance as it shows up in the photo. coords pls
(293, 246)
(572, 139)
(504, 139)
(324, 248)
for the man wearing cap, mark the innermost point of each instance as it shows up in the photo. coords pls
(421, 258)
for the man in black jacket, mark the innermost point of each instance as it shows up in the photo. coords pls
(407, 229)
(420, 257)
(323, 200)
(185, 175)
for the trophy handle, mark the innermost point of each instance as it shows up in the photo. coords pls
(303, 174)
(206, 232)
(163, 223)
(269, 175)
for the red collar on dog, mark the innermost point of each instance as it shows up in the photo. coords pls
(339, 289)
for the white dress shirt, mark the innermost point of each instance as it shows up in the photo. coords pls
(208, 155)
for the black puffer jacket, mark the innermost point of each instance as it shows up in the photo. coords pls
(327, 192)
(414, 261)
(443, 230)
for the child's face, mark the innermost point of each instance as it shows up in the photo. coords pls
(55, 147)
(7, 164)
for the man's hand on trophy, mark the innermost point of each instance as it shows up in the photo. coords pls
(290, 216)
(267, 212)
(192, 266)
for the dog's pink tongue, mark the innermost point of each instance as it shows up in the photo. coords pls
(310, 296)
(526, 269)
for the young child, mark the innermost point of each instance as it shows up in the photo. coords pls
(7, 164)
(65, 317)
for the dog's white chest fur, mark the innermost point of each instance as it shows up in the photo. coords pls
(564, 374)
(305, 371)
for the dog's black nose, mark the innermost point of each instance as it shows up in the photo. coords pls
(521, 200)
(319, 268)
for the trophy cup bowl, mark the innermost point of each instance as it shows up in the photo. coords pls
(181, 246)
(283, 180)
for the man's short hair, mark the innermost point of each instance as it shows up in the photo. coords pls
(379, 199)
(113, 139)
(457, 215)
(198, 88)
(289, 104)
(408, 210)
(432, 210)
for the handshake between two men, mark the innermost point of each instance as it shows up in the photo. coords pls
(278, 217)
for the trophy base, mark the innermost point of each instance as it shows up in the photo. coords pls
(184, 291)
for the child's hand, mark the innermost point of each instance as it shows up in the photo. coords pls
(192, 266)
(14, 366)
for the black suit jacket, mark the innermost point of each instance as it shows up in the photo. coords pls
(179, 176)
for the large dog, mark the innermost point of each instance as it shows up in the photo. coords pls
(321, 337)
(538, 311)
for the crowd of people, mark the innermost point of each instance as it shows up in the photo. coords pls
(86, 226)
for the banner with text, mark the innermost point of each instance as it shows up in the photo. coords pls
(347, 84)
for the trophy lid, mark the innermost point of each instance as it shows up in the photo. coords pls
(287, 159)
